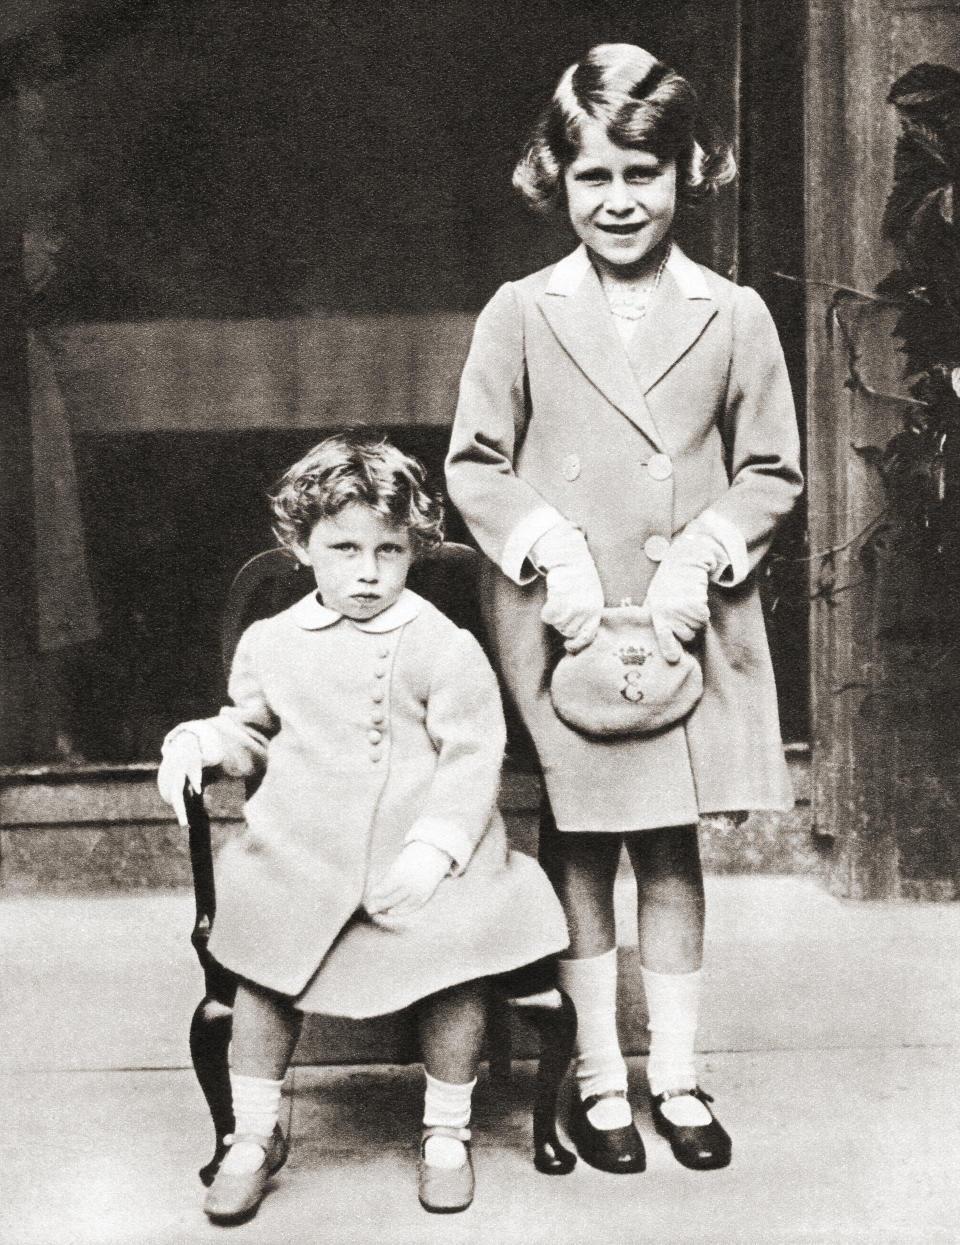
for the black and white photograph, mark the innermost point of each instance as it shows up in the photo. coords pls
(480, 628)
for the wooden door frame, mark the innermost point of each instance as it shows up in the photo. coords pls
(865, 768)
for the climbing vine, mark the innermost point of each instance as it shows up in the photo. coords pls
(916, 531)
(919, 464)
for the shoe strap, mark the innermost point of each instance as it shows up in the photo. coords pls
(445, 1130)
(591, 1102)
(257, 1139)
(696, 1092)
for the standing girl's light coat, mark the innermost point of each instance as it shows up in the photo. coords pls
(693, 420)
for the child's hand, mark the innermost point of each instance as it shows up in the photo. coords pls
(677, 596)
(182, 760)
(574, 592)
(409, 882)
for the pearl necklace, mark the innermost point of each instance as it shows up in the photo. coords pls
(629, 300)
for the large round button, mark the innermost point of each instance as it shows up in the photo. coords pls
(374, 736)
(383, 654)
(377, 718)
(570, 467)
(375, 757)
(656, 548)
(660, 467)
(377, 697)
(380, 672)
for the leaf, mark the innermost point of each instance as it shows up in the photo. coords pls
(871, 454)
(946, 204)
(926, 87)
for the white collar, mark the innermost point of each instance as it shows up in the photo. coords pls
(310, 614)
(571, 270)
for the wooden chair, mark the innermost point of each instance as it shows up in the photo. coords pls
(269, 582)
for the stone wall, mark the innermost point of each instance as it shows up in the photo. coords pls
(108, 831)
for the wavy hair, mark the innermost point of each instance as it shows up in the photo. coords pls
(642, 103)
(349, 468)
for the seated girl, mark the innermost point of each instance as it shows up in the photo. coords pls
(373, 871)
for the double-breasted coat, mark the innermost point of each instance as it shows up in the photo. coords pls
(692, 420)
(365, 736)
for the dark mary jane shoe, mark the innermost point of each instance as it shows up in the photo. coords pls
(618, 1150)
(701, 1147)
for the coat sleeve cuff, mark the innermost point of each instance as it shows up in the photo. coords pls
(444, 836)
(515, 564)
(730, 539)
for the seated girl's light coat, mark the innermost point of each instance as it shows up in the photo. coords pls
(390, 727)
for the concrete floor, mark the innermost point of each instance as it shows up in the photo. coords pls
(830, 1036)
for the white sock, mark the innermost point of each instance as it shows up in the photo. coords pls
(591, 984)
(673, 1005)
(448, 1104)
(256, 1109)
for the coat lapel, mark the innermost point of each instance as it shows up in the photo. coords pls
(679, 312)
(576, 310)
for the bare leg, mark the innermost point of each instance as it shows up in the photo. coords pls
(451, 1026)
(670, 920)
(265, 1031)
(670, 907)
(583, 868)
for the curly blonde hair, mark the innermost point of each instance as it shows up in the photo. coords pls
(349, 468)
(642, 103)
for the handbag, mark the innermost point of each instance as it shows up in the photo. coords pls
(621, 684)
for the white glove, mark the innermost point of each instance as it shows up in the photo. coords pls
(182, 762)
(409, 882)
(677, 596)
(574, 592)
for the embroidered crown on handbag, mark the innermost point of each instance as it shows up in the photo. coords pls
(621, 684)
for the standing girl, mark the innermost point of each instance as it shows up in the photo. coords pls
(626, 429)
(373, 870)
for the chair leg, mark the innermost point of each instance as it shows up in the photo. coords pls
(499, 1039)
(209, 1040)
(556, 1024)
